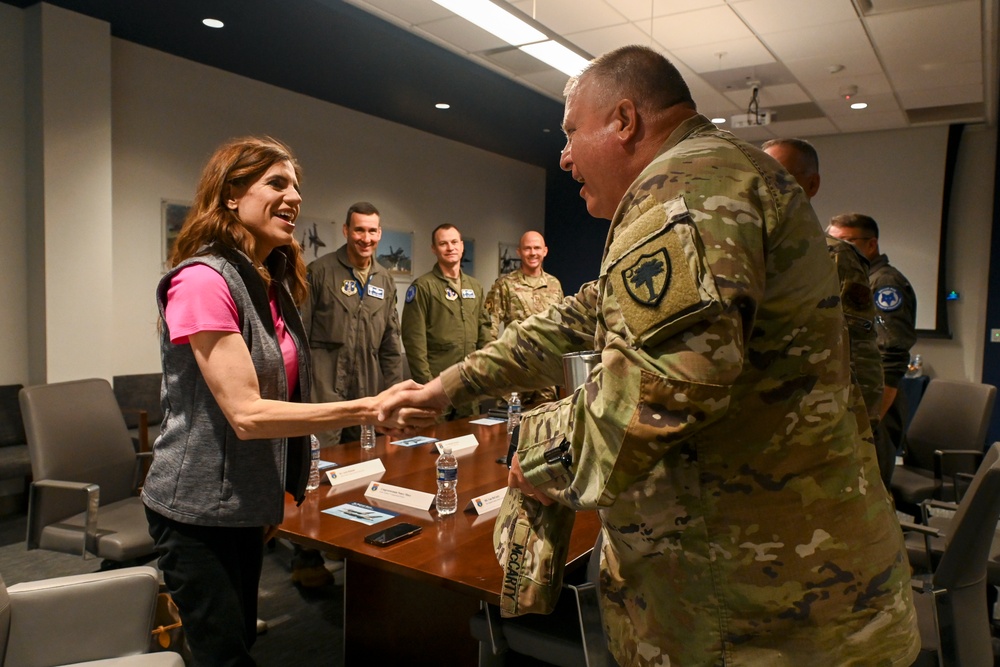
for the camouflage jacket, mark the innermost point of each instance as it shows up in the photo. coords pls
(896, 318)
(440, 325)
(515, 296)
(859, 312)
(744, 518)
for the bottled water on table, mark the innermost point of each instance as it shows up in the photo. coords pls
(314, 478)
(446, 500)
(513, 412)
(367, 437)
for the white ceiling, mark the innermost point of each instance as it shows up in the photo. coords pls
(915, 62)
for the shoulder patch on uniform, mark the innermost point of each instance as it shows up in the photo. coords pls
(411, 292)
(648, 278)
(888, 299)
(857, 296)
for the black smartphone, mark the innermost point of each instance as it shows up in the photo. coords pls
(393, 534)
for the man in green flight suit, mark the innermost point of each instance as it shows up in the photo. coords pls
(443, 316)
(744, 522)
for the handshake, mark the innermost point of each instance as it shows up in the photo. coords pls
(407, 406)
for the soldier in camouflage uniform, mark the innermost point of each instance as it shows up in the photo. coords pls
(895, 325)
(743, 518)
(443, 314)
(800, 159)
(523, 292)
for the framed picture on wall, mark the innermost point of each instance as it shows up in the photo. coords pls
(509, 259)
(317, 237)
(395, 252)
(469, 256)
(172, 215)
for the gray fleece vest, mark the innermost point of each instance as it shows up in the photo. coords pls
(201, 472)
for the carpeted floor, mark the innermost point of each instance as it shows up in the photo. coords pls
(305, 625)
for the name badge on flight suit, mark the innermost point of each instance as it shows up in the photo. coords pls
(468, 294)
(450, 294)
(350, 287)
(376, 292)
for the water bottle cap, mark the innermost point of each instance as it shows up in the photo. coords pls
(446, 450)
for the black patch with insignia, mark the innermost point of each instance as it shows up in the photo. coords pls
(647, 279)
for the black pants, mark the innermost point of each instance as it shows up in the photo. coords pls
(212, 573)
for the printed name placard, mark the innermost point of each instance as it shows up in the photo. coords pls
(487, 502)
(399, 495)
(464, 443)
(351, 472)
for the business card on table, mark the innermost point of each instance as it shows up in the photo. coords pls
(399, 495)
(487, 502)
(458, 445)
(488, 421)
(414, 441)
(361, 513)
(351, 472)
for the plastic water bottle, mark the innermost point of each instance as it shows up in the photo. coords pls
(513, 412)
(367, 437)
(916, 367)
(447, 495)
(313, 482)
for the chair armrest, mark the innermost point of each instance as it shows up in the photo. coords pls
(941, 454)
(926, 531)
(931, 503)
(142, 461)
(588, 606)
(80, 618)
(42, 513)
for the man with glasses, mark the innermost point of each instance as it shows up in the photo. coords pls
(895, 322)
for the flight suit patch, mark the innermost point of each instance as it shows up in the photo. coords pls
(350, 287)
(468, 294)
(450, 294)
(647, 280)
(888, 299)
(411, 292)
(376, 292)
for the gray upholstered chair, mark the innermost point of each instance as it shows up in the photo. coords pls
(947, 435)
(571, 636)
(77, 620)
(82, 499)
(951, 602)
(139, 398)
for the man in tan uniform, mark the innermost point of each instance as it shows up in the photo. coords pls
(524, 292)
(800, 159)
(443, 316)
(744, 522)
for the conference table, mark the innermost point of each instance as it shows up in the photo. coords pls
(410, 602)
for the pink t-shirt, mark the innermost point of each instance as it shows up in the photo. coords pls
(199, 300)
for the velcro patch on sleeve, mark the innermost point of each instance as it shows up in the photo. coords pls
(659, 275)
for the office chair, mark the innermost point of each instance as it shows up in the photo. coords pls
(77, 620)
(951, 602)
(83, 497)
(571, 636)
(138, 397)
(946, 435)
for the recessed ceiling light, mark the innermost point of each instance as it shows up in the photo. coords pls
(213, 23)
(546, 130)
(442, 105)
(718, 121)
(859, 105)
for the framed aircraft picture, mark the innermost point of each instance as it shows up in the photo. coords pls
(395, 252)
(509, 259)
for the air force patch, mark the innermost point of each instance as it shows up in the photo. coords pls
(888, 299)
(350, 287)
(411, 292)
(646, 280)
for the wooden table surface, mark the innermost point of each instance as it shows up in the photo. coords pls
(455, 551)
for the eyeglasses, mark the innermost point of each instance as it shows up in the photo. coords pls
(852, 239)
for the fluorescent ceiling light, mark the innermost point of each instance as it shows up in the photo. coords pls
(213, 23)
(494, 20)
(558, 56)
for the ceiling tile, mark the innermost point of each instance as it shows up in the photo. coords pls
(832, 88)
(705, 26)
(566, 16)
(596, 42)
(766, 16)
(836, 38)
(946, 95)
(411, 12)
(464, 35)
(875, 120)
(746, 52)
(940, 76)
(928, 35)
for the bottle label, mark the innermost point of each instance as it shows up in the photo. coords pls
(447, 474)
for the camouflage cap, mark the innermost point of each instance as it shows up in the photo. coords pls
(531, 541)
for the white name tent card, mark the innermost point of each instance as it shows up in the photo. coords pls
(399, 495)
(355, 471)
(487, 502)
(461, 444)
